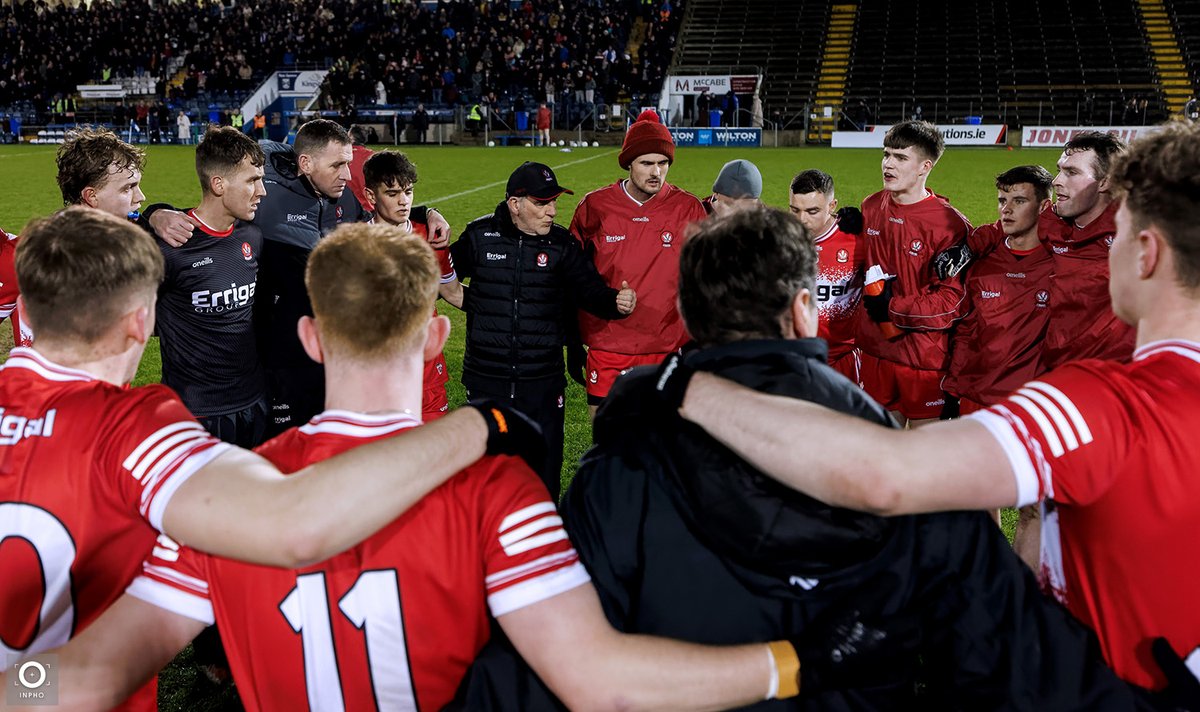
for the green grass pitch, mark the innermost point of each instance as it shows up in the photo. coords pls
(465, 183)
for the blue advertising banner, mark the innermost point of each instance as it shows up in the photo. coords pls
(717, 137)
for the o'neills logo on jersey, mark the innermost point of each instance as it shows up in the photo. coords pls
(1015, 275)
(201, 263)
(496, 256)
(1043, 298)
(898, 221)
(641, 219)
(914, 247)
(15, 428)
(667, 237)
(543, 259)
(236, 297)
(614, 238)
(843, 256)
(246, 251)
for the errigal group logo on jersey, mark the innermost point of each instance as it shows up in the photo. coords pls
(236, 297)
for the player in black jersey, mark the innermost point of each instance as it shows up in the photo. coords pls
(206, 302)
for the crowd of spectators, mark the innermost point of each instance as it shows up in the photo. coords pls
(573, 53)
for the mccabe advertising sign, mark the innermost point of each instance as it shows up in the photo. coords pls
(717, 137)
(715, 84)
(953, 134)
(1057, 136)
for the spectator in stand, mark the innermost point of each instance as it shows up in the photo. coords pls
(632, 230)
(184, 127)
(420, 123)
(543, 124)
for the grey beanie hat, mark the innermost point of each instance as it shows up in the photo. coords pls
(739, 179)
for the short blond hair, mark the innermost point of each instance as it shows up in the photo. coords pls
(372, 289)
(79, 268)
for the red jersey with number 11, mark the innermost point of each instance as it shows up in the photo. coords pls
(394, 622)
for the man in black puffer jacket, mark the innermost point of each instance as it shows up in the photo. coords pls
(528, 277)
(684, 539)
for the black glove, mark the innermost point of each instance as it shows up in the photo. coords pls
(845, 651)
(951, 261)
(671, 381)
(511, 432)
(950, 410)
(1183, 689)
(577, 363)
(850, 220)
(877, 306)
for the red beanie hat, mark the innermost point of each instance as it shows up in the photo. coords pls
(646, 135)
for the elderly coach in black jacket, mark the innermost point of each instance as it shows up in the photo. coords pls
(527, 278)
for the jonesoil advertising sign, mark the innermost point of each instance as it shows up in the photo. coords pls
(717, 137)
(953, 134)
(1057, 136)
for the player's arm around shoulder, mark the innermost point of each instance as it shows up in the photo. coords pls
(240, 506)
(590, 666)
(849, 462)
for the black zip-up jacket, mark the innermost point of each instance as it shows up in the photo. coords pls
(684, 539)
(293, 217)
(524, 291)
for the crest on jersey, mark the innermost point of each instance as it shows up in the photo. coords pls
(1043, 297)
(561, 402)
(1108, 241)
(666, 238)
(593, 377)
(915, 246)
(246, 251)
(843, 256)
(543, 259)
(338, 212)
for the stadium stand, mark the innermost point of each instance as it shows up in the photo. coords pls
(1012, 61)
(782, 39)
(206, 55)
(1184, 16)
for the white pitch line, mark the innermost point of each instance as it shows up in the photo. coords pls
(15, 155)
(444, 198)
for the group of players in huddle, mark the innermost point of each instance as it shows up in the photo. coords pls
(354, 560)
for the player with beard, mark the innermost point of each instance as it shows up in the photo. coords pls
(632, 230)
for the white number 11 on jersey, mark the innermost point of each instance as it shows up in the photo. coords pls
(373, 606)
